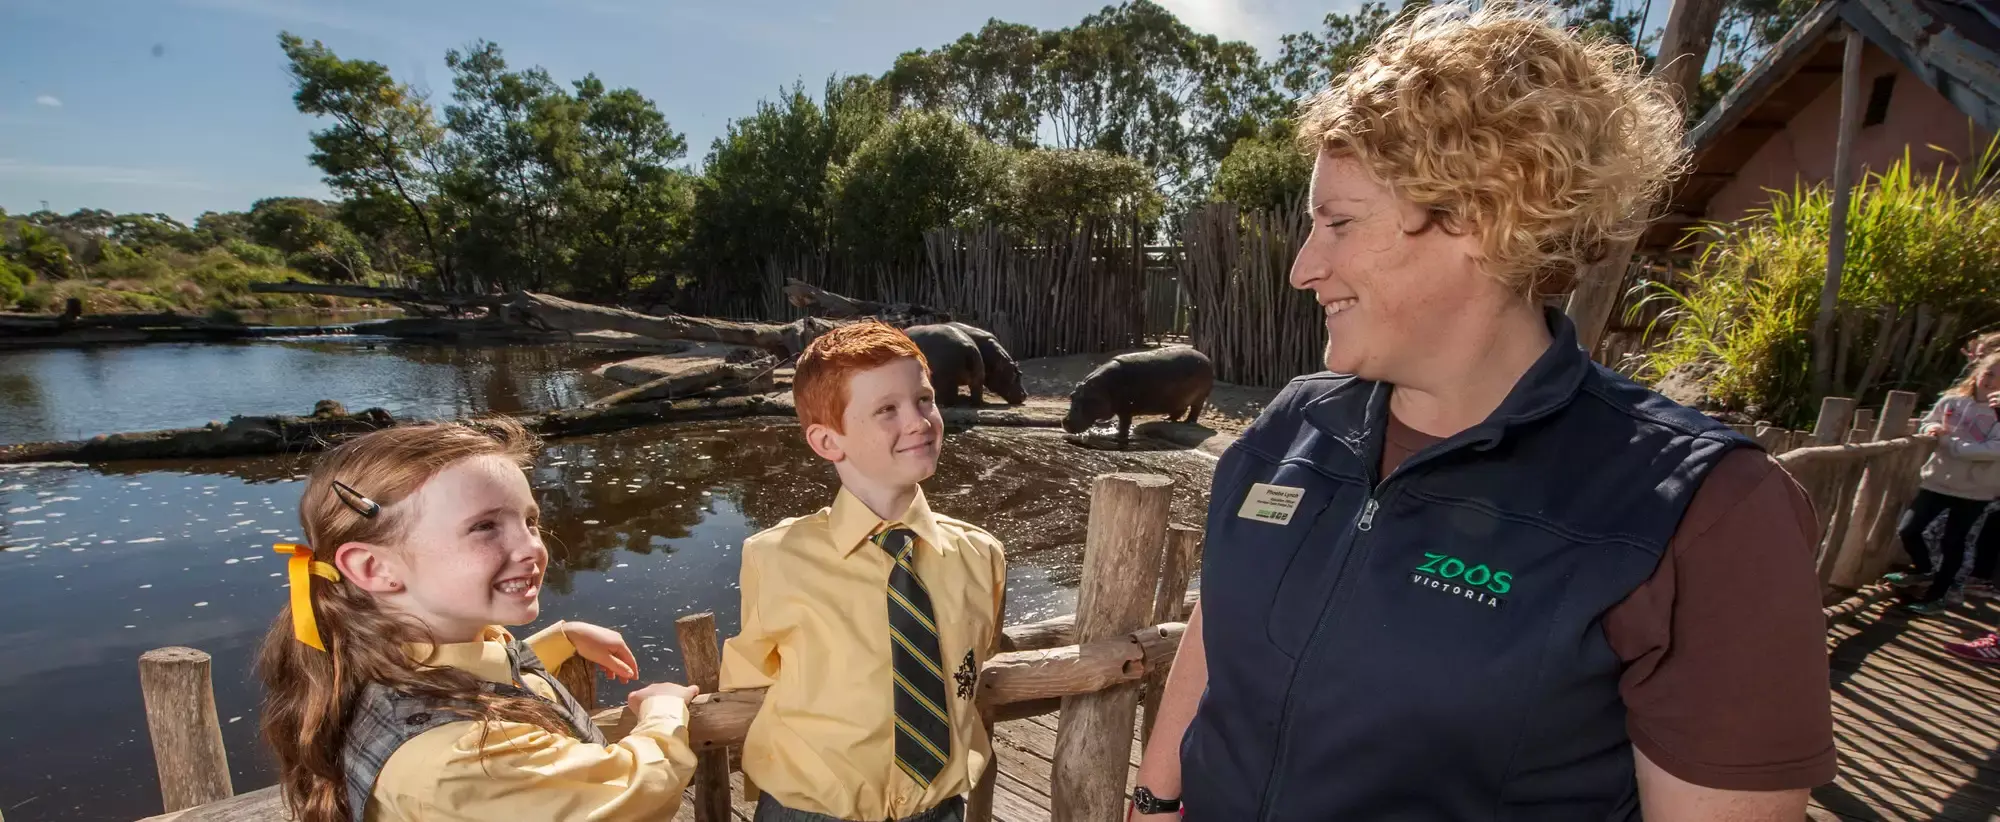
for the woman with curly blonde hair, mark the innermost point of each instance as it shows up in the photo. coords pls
(1467, 573)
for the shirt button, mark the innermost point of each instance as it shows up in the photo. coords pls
(417, 719)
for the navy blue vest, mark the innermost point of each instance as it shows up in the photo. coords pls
(1427, 645)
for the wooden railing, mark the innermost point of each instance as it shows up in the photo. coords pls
(1860, 470)
(1858, 467)
(1089, 666)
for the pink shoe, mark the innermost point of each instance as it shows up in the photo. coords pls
(1984, 649)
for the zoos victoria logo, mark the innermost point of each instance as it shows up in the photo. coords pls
(1475, 583)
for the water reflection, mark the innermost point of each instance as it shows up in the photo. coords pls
(102, 563)
(316, 316)
(72, 393)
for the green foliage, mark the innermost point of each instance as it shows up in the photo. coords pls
(12, 287)
(1922, 271)
(1264, 173)
(255, 254)
(990, 80)
(383, 144)
(38, 250)
(764, 189)
(1062, 187)
(1131, 79)
(1308, 61)
(1716, 83)
(223, 228)
(308, 237)
(925, 170)
(623, 208)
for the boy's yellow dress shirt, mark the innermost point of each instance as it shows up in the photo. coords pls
(816, 633)
(521, 773)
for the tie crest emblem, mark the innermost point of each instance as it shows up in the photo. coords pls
(967, 676)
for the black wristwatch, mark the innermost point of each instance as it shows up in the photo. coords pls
(1145, 802)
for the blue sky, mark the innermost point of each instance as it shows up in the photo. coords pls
(183, 106)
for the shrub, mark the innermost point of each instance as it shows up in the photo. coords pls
(255, 254)
(1264, 174)
(1059, 187)
(923, 171)
(1922, 271)
(11, 287)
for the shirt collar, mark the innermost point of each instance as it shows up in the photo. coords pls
(852, 523)
(1548, 385)
(485, 657)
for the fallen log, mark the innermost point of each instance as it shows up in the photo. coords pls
(428, 304)
(240, 436)
(714, 378)
(1011, 686)
(824, 303)
(551, 313)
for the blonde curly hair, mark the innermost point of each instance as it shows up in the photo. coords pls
(1550, 146)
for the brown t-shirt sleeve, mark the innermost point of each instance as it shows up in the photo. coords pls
(1725, 684)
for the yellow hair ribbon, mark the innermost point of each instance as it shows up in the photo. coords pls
(304, 625)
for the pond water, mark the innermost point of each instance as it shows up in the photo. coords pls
(72, 393)
(103, 562)
(316, 316)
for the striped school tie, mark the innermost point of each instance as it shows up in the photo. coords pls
(923, 728)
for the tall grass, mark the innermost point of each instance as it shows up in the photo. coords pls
(166, 280)
(1922, 274)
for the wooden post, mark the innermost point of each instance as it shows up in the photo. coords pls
(1684, 48)
(1887, 486)
(187, 736)
(1183, 543)
(1684, 43)
(1598, 287)
(1836, 239)
(702, 657)
(1834, 413)
(1121, 570)
(1851, 506)
(1896, 420)
(1865, 418)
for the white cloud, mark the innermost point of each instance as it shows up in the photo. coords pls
(1227, 19)
(49, 100)
(102, 175)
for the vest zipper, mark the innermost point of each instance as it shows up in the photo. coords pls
(1365, 523)
(1275, 784)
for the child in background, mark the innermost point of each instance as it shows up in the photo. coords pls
(1958, 481)
(869, 620)
(392, 692)
(1987, 542)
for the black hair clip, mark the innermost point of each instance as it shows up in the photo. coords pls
(353, 499)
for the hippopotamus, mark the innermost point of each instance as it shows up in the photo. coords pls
(1003, 377)
(1174, 381)
(954, 360)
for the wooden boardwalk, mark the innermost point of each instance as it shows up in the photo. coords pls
(1918, 730)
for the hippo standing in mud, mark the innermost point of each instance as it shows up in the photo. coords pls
(954, 360)
(1003, 376)
(1173, 381)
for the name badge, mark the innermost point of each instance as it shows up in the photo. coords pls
(1271, 503)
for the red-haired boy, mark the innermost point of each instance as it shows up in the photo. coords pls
(869, 619)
